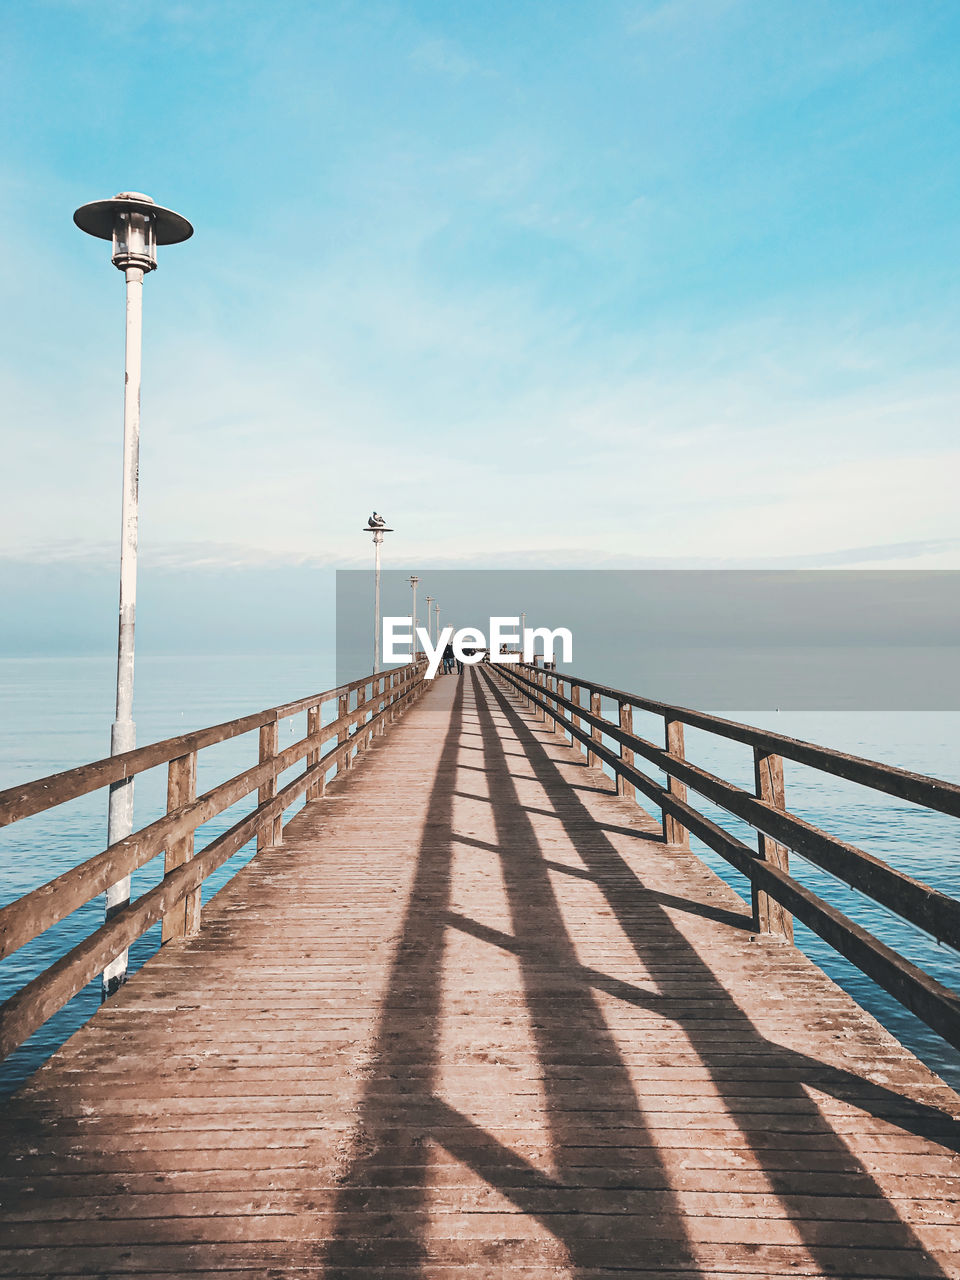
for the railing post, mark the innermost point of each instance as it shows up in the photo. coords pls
(595, 733)
(768, 915)
(533, 693)
(343, 707)
(361, 734)
(674, 832)
(313, 726)
(405, 698)
(271, 831)
(181, 790)
(576, 696)
(625, 788)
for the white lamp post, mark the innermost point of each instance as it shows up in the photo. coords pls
(436, 609)
(378, 527)
(413, 583)
(430, 620)
(136, 225)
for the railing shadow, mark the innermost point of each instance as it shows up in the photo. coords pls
(398, 1121)
(626, 894)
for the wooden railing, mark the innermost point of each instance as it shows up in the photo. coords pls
(575, 707)
(361, 709)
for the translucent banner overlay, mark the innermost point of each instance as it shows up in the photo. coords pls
(714, 640)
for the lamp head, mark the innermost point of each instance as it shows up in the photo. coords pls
(136, 224)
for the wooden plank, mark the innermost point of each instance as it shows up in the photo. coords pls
(769, 916)
(361, 735)
(314, 725)
(576, 699)
(595, 732)
(626, 754)
(343, 710)
(674, 831)
(471, 1021)
(181, 790)
(271, 831)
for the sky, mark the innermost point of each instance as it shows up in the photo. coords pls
(619, 283)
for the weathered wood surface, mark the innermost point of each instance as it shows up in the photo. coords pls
(937, 1004)
(33, 797)
(916, 902)
(767, 912)
(933, 793)
(474, 1017)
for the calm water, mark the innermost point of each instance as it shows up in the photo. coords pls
(55, 713)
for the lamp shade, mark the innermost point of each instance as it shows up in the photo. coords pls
(135, 224)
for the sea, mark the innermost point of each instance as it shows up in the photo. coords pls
(55, 713)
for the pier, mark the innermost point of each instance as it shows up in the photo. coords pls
(474, 1010)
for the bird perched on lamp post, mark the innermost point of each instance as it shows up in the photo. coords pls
(376, 522)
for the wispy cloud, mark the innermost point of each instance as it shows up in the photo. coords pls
(526, 299)
(445, 58)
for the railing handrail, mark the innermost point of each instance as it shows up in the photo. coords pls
(25, 799)
(175, 900)
(918, 788)
(778, 830)
(920, 903)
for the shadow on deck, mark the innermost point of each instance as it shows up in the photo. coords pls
(576, 1063)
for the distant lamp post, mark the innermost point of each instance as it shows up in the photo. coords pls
(378, 527)
(136, 225)
(413, 583)
(436, 609)
(430, 620)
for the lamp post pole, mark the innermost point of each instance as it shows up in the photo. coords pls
(413, 583)
(436, 608)
(377, 544)
(136, 225)
(430, 620)
(378, 527)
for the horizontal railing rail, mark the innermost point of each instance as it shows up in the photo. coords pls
(44, 793)
(931, 793)
(776, 894)
(175, 901)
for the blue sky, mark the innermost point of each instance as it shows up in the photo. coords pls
(638, 282)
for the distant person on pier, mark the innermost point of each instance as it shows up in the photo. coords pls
(448, 659)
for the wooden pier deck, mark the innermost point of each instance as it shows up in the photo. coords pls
(474, 1017)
